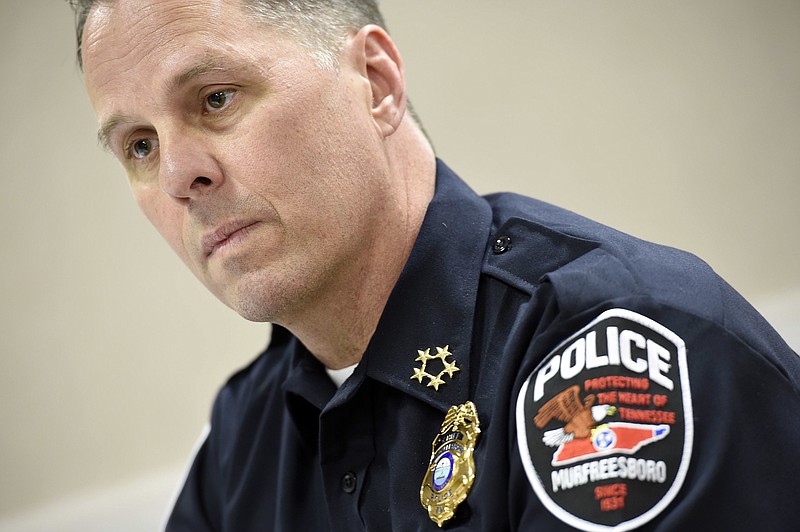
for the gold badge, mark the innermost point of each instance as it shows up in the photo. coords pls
(451, 471)
(425, 356)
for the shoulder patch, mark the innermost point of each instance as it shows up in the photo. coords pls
(604, 423)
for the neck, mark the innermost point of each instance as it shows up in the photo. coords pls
(337, 325)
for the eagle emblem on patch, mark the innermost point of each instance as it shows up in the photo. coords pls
(604, 423)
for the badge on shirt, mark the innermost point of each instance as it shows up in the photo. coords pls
(604, 424)
(451, 470)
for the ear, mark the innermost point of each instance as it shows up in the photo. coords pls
(380, 64)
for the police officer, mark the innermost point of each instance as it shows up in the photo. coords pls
(438, 359)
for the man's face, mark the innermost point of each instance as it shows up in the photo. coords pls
(262, 171)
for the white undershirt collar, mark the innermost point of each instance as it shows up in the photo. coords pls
(338, 376)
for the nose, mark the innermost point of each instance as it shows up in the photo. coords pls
(187, 168)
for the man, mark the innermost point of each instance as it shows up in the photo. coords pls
(438, 359)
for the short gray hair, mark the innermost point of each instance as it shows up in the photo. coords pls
(319, 25)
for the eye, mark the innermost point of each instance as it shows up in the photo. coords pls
(141, 148)
(218, 100)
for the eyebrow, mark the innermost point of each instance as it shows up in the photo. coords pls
(206, 65)
(108, 126)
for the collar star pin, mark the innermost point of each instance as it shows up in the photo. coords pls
(434, 380)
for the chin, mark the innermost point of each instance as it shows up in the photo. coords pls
(258, 309)
(260, 297)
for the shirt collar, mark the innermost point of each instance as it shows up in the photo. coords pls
(433, 303)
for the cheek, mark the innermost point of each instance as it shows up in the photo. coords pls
(166, 216)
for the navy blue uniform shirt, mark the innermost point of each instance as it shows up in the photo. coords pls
(617, 383)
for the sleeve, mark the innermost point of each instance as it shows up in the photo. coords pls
(744, 472)
(650, 417)
(193, 509)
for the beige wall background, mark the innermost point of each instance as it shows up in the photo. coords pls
(675, 120)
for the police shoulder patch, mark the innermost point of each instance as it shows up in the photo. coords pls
(604, 423)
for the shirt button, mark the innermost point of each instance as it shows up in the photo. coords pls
(349, 482)
(501, 245)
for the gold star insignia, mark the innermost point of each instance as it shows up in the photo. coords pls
(424, 356)
(450, 368)
(443, 352)
(419, 374)
(436, 380)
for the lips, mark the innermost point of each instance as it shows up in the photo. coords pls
(225, 235)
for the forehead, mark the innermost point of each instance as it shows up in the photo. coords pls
(156, 37)
(127, 26)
